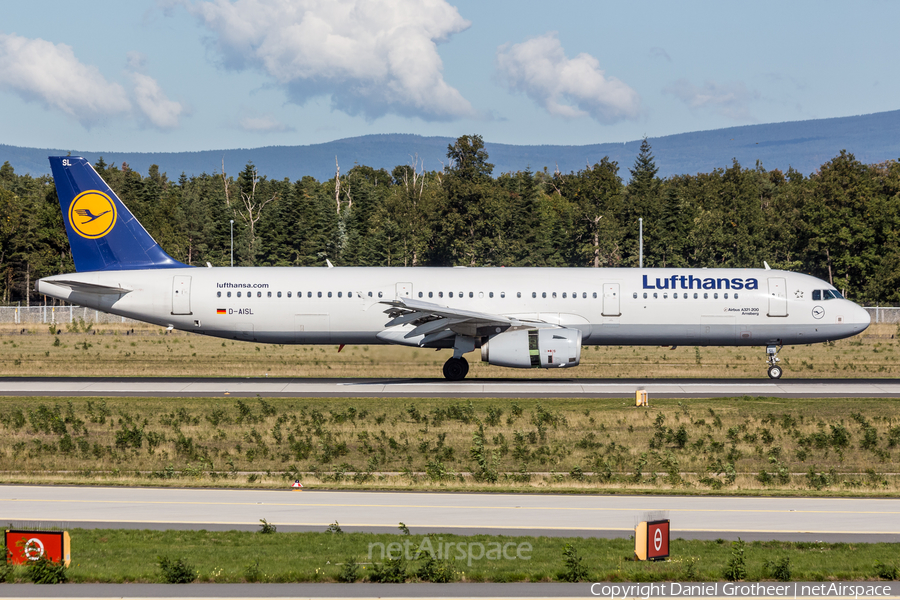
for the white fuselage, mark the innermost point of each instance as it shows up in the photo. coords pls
(727, 307)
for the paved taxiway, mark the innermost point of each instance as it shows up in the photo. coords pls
(800, 519)
(437, 388)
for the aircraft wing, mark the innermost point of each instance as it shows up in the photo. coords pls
(88, 288)
(436, 322)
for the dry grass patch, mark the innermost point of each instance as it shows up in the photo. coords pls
(760, 445)
(113, 350)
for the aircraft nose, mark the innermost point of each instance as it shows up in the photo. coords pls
(861, 317)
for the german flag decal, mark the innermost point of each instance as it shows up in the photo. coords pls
(220, 311)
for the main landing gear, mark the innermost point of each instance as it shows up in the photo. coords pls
(775, 371)
(456, 369)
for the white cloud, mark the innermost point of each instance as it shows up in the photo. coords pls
(729, 100)
(156, 106)
(568, 87)
(372, 57)
(41, 71)
(38, 70)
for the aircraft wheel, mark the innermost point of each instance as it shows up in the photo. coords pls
(455, 369)
(775, 372)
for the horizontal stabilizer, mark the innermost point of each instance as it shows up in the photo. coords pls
(85, 288)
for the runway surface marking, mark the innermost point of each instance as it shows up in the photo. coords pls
(450, 506)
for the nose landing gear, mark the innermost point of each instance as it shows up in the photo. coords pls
(775, 371)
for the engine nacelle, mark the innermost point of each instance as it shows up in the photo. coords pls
(530, 348)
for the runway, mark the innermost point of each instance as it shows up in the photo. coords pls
(438, 388)
(791, 519)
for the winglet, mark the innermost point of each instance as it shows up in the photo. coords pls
(766, 265)
(103, 234)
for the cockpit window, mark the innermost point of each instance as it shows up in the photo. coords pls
(831, 294)
(817, 295)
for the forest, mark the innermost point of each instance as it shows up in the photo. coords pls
(840, 223)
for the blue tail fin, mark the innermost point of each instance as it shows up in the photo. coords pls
(103, 233)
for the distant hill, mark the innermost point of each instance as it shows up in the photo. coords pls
(803, 145)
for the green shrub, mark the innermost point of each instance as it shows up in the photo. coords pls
(436, 571)
(393, 570)
(575, 569)
(176, 571)
(736, 570)
(885, 571)
(779, 569)
(349, 571)
(44, 570)
(252, 573)
(266, 527)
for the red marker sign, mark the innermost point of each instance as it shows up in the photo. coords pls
(25, 546)
(657, 539)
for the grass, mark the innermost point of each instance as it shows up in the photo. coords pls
(734, 446)
(112, 350)
(111, 555)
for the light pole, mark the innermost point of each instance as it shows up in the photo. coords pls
(232, 242)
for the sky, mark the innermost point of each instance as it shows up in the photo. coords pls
(189, 75)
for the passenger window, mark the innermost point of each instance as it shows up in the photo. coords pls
(564, 294)
(450, 294)
(481, 294)
(431, 294)
(339, 294)
(490, 294)
(440, 294)
(279, 294)
(716, 296)
(370, 294)
(503, 294)
(675, 296)
(634, 295)
(518, 294)
(817, 295)
(309, 294)
(329, 294)
(461, 295)
(655, 296)
(705, 295)
(319, 294)
(735, 296)
(665, 295)
(471, 294)
(380, 294)
(645, 295)
(259, 294)
(268, 294)
(725, 296)
(543, 294)
(554, 294)
(218, 294)
(228, 294)
(695, 295)
(289, 295)
(238, 294)
(584, 294)
(420, 294)
(595, 294)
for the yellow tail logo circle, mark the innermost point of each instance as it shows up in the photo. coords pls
(92, 214)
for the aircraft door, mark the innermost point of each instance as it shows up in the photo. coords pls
(611, 300)
(777, 297)
(404, 290)
(181, 295)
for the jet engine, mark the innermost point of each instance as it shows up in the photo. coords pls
(528, 348)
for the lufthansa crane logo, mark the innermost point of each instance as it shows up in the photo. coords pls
(92, 214)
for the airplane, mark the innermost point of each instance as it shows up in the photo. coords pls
(518, 317)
